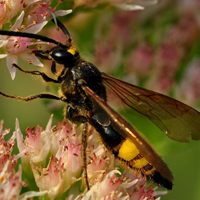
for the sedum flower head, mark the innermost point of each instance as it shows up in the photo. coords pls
(51, 161)
(32, 17)
(10, 177)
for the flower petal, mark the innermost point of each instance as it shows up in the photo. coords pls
(3, 56)
(35, 60)
(31, 57)
(129, 7)
(62, 12)
(3, 42)
(36, 28)
(10, 60)
(19, 136)
(18, 22)
(31, 194)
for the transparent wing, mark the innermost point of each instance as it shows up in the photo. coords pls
(176, 119)
(128, 131)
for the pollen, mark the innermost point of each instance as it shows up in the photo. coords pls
(17, 45)
(2, 179)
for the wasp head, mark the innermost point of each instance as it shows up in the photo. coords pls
(64, 55)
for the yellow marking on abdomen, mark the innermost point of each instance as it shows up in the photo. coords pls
(128, 151)
(148, 172)
(140, 163)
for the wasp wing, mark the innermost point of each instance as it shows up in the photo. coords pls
(128, 131)
(178, 120)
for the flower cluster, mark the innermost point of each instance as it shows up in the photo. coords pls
(34, 15)
(52, 163)
(51, 159)
(149, 49)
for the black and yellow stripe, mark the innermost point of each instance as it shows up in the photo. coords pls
(127, 144)
(129, 154)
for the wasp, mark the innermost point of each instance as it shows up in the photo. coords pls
(83, 88)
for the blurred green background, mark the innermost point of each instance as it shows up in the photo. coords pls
(107, 37)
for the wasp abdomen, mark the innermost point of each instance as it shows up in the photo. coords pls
(125, 150)
(128, 153)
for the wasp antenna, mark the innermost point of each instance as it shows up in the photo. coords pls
(63, 28)
(30, 35)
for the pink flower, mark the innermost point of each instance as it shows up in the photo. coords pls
(185, 33)
(108, 188)
(36, 15)
(107, 55)
(54, 158)
(10, 8)
(141, 60)
(166, 64)
(6, 11)
(65, 165)
(10, 179)
(42, 11)
(188, 89)
(10, 183)
(51, 179)
(23, 5)
(15, 47)
(192, 6)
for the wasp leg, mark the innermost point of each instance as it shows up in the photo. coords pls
(38, 73)
(32, 97)
(72, 115)
(54, 71)
(53, 68)
(84, 143)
